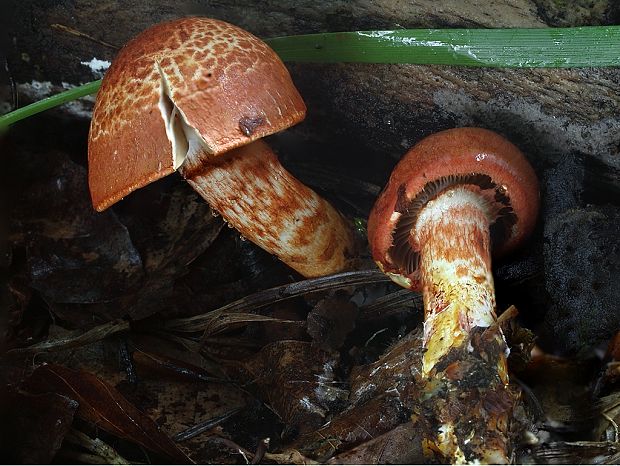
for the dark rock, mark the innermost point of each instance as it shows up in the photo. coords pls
(582, 258)
(562, 13)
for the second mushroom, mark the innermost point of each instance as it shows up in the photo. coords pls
(453, 198)
(197, 95)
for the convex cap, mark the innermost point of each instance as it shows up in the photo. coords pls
(463, 156)
(192, 81)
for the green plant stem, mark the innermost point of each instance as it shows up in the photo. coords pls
(47, 103)
(593, 46)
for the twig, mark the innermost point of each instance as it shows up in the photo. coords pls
(614, 425)
(289, 457)
(180, 368)
(263, 445)
(74, 340)
(398, 298)
(75, 32)
(532, 396)
(378, 332)
(14, 94)
(203, 426)
(235, 447)
(99, 451)
(203, 322)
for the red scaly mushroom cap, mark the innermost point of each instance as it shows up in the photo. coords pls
(178, 85)
(470, 156)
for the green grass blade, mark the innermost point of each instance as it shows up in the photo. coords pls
(594, 46)
(597, 46)
(47, 103)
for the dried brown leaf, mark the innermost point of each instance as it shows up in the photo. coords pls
(73, 254)
(208, 321)
(358, 424)
(577, 453)
(77, 338)
(297, 379)
(102, 405)
(402, 445)
(331, 320)
(397, 369)
(33, 426)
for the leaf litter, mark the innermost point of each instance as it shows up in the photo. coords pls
(155, 335)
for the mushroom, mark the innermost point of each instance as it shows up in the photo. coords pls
(197, 95)
(452, 198)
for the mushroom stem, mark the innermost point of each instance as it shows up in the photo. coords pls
(455, 270)
(451, 196)
(267, 205)
(465, 349)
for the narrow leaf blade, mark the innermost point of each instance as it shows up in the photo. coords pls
(580, 47)
(595, 46)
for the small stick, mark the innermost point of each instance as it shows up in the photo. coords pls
(260, 451)
(203, 426)
(75, 32)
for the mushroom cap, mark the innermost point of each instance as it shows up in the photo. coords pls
(448, 155)
(227, 86)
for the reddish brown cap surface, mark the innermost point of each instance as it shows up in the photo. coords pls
(460, 151)
(227, 84)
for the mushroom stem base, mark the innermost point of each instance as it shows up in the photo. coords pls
(465, 358)
(466, 407)
(254, 194)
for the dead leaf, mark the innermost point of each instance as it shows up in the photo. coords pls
(33, 426)
(577, 453)
(102, 405)
(402, 445)
(73, 254)
(298, 381)
(15, 296)
(332, 319)
(358, 424)
(74, 339)
(397, 369)
(173, 368)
